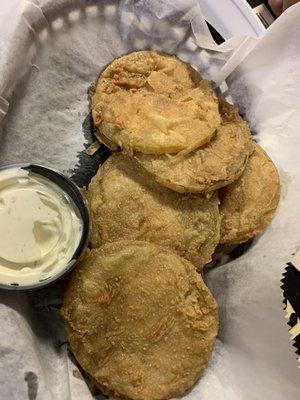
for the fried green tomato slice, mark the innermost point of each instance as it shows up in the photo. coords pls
(249, 203)
(126, 203)
(214, 165)
(154, 103)
(140, 321)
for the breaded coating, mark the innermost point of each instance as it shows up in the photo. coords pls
(248, 204)
(140, 321)
(214, 165)
(126, 203)
(154, 103)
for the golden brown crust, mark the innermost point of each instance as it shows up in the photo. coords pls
(214, 165)
(154, 103)
(249, 203)
(140, 320)
(126, 203)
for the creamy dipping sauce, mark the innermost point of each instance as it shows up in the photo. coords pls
(39, 227)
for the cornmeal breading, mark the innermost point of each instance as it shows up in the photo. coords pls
(140, 321)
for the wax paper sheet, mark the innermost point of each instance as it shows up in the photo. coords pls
(50, 52)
